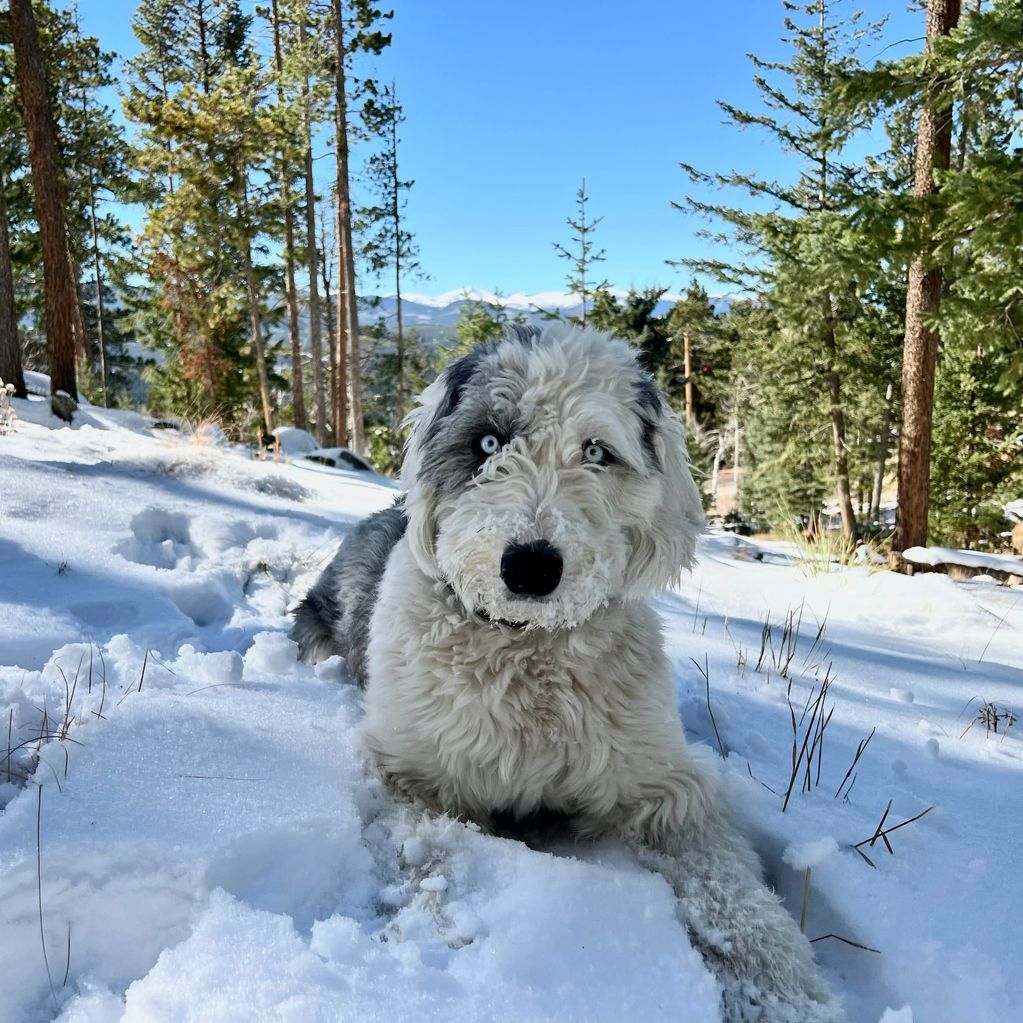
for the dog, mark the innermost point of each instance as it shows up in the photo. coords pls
(497, 617)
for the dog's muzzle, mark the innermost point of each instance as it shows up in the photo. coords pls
(531, 569)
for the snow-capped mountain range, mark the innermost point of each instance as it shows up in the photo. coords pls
(434, 316)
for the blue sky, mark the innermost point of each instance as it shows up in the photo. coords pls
(509, 105)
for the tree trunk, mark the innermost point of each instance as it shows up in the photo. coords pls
(348, 312)
(101, 331)
(328, 318)
(255, 326)
(882, 457)
(396, 216)
(687, 366)
(923, 298)
(288, 203)
(838, 427)
(10, 348)
(315, 344)
(63, 311)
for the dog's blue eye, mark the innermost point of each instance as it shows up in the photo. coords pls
(489, 445)
(595, 454)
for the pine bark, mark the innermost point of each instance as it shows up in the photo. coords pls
(347, 305)
(255, 324)
(101, 328)
(10, 348)
(288, 202)
(63, 311)
(312, 257)
(923, 299)
(833, 382)
(882, 457)
(328, 319)
(396, 215)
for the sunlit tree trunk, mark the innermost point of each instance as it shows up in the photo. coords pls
(348, 313)
(923, 299)
(10, 349)
(63, 311)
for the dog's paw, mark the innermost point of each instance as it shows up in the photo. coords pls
(745, 1002)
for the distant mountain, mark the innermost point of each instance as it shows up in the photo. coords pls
(435, 316)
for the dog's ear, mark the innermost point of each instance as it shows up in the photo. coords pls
(666, 545)
(424, 422)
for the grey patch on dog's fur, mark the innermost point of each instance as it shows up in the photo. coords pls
(648, 396)
(521, 332)
(452, 455)
(457, 377)
(334, 617)
(649, 447)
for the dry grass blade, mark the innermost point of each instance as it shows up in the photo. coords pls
(813, 738)
(705, 672)
(846, 941)
(806, 898)
(863, 743)
(67, 960)
(882, 833)
(39, 892)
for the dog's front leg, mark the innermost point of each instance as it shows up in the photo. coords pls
(739, 926)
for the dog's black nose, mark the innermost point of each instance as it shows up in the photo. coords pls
(531, 569)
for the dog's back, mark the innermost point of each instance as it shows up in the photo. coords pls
(335, 615)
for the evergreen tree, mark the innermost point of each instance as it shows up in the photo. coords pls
(694, 319)
(581, 255)
(10, 344)
(206, 302)
(480, 321)
(355, 27)
(635, 319)
(923, 299)
(288, 117)
(964, 84)
(64, 326)
(386, 246)
(804, 254)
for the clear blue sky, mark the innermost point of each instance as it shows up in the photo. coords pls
(510, 104)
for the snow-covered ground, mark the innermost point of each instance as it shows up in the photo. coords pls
(199, 839)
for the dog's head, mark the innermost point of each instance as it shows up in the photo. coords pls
(546, 476)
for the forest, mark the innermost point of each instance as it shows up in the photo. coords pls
(862, 338)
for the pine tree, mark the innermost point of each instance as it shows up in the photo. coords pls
(10, 345)
(581, 255)
(635, 318)
(64, 327)
(386, 246)
(480, 321)
(206, 303)
(803, 256)
(286, 118)
(694, 320)
(312, 70)
(970, 228)
(923, 299)
(354, 33)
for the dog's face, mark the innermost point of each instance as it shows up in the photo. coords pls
(547, 476)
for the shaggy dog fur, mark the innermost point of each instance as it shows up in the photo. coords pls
(497, 617)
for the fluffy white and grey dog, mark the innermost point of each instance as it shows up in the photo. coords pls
(497, 617)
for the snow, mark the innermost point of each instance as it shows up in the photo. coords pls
(293, 441)
(212, 848)
(809, 854)
(968, 559)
